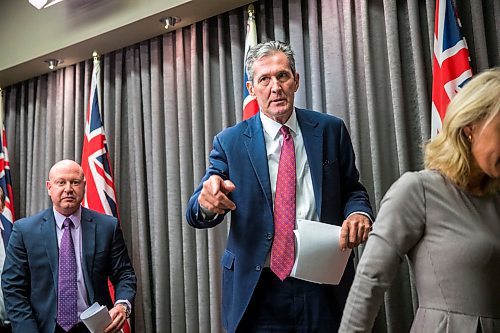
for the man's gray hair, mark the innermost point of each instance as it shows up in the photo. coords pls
(268, 48)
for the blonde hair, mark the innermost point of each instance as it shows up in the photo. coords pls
(450, 151)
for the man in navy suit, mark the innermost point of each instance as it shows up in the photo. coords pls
(30, 275)
(242, 178)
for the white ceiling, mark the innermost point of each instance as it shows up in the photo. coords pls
(71, 30)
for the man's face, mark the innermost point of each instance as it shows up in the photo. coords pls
(274, 86)
(66, 187)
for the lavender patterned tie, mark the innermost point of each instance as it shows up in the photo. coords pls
(67, 315)
(283, 249)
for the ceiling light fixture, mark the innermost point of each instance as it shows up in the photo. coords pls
(170, 21)
(39, 4)
(53, 63)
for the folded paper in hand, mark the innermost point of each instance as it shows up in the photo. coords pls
(96, 318)
(318, 257)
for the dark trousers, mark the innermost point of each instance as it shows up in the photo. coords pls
(5, 328)
(291, 306)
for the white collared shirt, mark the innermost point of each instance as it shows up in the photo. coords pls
(305, 207)
(76, 234)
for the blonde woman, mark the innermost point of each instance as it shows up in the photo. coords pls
(446, 218)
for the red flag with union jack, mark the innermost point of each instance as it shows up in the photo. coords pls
(100, 194)
(250, 105)
(5, 178)
(451, 68)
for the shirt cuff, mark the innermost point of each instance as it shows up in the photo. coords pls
(207, 215)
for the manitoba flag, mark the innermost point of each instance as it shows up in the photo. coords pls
(100, 194)
(250, 106)
(451, 68)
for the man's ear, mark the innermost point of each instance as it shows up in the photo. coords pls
(250, 88)
(296, 79)
(48, 185)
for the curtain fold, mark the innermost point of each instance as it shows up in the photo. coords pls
(163, 100)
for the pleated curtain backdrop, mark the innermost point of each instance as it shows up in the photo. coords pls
(164, 99)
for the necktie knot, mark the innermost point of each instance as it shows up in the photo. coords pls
(285, 131)
(67, 223)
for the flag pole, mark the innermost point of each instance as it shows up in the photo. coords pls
(250, 105)
(97, 68)
(1, 106)
(96, 57)
(251, 12)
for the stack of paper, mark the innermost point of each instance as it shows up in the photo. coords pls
(96, 318)
(318, 257)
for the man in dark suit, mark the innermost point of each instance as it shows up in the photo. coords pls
(58, 262)
(249, 175)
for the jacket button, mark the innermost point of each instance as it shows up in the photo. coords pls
(269, 236)
(258, 268)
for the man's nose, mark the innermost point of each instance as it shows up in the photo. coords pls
(275, 85)
(68, 187)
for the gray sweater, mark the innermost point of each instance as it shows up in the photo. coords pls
(452, 240)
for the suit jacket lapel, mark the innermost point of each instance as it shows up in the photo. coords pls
(88, 250)
(313, 142)
(48, 233)
(256, 147)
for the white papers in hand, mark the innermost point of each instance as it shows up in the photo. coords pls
(96, 318)
(318, 257)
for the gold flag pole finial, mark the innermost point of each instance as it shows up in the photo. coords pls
(251, 11)
(95, 55)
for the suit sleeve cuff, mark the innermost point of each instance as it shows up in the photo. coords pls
(362, 213)
(127, 305)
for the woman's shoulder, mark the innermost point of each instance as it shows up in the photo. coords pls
(426, 176)
(413, 184)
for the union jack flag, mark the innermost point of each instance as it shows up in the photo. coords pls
(5, 178)
(100, 194)
(250, 105)
(451, 68)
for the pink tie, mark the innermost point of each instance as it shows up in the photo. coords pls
(283, 249)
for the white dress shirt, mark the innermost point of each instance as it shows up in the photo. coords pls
(305, 204)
